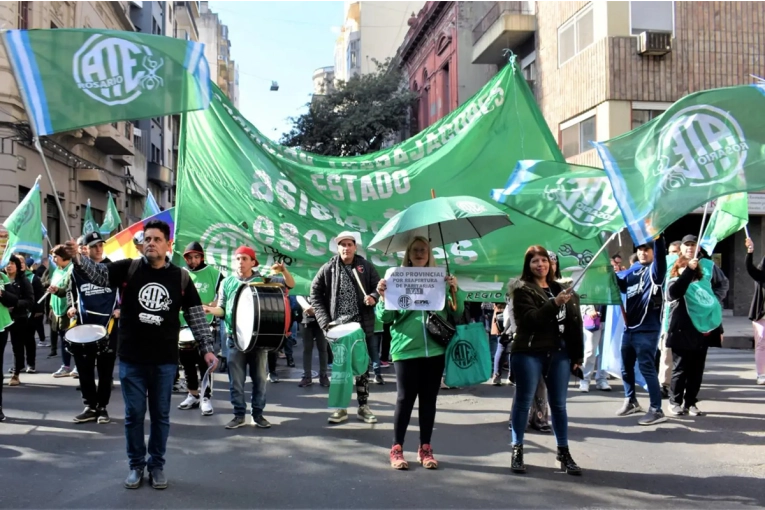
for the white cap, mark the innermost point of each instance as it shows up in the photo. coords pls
(138, 238)
(353, 236)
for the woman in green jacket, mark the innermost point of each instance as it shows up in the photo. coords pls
(419, 361)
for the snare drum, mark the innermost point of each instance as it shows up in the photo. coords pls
(338, 332)
(261, 316)
(186, 341)
(87, 340)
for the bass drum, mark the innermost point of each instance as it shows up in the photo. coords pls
(262, 316)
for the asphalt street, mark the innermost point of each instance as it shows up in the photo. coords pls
(715, 461)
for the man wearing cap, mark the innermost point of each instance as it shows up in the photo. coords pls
(93, 304)
(206, 279)
(245, 263)
(642, 285)
(154, 290)
(345, 290)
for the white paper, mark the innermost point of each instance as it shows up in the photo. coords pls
(415, 288)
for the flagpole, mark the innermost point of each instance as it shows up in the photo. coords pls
(594, 257)
(36, 138)
(701, 230)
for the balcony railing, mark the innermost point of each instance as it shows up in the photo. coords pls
(497, 10)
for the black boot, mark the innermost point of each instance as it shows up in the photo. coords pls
(567, 463)
(517, 465)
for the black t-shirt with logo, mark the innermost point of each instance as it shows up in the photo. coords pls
(151, 303)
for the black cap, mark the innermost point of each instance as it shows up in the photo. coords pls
(690, 239)
(92, 239)
(194, 247)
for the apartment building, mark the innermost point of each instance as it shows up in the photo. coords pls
(214, 34)
(370, 31)
(85, 163)
(600, 69)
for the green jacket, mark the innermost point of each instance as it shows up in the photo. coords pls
(409, 336)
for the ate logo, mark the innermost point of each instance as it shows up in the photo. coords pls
(115, 71)
(404, 302)
(220, 241)
(340, 354)
(470, 207)
(585, 201)
(700, 145)
(464, 355)
(154, 297)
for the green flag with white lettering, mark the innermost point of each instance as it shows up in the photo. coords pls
(72, 78)
(111, 219)
(731, 214)
(88, 223)
(577, 199)
(707, 144)
(237, 187)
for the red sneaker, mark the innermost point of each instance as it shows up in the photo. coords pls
(397, 460)
(425, 457)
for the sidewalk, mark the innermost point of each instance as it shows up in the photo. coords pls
(738, 333)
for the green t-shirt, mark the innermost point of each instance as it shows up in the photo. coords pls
(205, 280)
(60, 278)
(5, 315)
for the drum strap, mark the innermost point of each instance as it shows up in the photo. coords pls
(136, 263)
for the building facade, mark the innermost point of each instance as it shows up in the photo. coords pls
(323, 81)
(223, 70)
(371, 31)
(435, 57)
(85, 163)
(600, 69)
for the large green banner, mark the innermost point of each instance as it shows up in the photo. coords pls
(237, 187)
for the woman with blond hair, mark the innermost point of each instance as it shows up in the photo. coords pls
(419, 361)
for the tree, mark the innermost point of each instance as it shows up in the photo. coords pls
(357, 117)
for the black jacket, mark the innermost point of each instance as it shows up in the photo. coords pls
(25, 297)
(682, 334)
(324, 292)
(39, 292)
(536, 321)
(757, 308)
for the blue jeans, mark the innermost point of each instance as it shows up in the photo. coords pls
(238, 361)
(641, 346)
(223, 340)
(373, 346)
(66, 357)
(137, 381)
(499, 357)
(493, 343)
(555, 367)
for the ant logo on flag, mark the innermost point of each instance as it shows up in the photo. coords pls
(586, 201)
(220, 241)
(115, 71)
(699, 146)
(470, 207)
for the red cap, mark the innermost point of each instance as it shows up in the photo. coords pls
(246, 250)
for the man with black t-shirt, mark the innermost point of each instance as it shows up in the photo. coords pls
(154, 291)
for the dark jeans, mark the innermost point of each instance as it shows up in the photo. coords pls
(194, 368)
(641, 347)
(527, 368)
(66, 357)
(271, 360)
(22, 340)
(312, 333)
(385, 343)
(3, 341)
(417, 378)
(238, 362)
(687, 373)
(38, 325)
(87, 365)
(138, 381)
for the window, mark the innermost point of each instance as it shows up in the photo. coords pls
(53, 25)
(445, 92)
(23, 15)
(529, 70)
(656, 16)
(640, 117)
(53, 222)
(576, 34)
(575, 137)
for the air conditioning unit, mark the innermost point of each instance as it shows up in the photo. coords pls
(654, 43)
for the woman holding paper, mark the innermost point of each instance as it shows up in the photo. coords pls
(757, 310)
(548, 343)
(419, 361)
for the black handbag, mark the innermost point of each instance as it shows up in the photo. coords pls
(440, 330)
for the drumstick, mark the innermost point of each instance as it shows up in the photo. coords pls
(361, 286)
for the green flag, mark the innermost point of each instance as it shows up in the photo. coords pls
(731, 214)
(708, 144)
(577, 199)
(150, 207)
(73, 78)
(112, 218)
(237, 187)
(24, 227)
(88, 223)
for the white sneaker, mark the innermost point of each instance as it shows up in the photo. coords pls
(603, 385)
(75, 373)
(207, 408)
(62, 372)
(761, 380)
(191, 402)
(584, 385)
